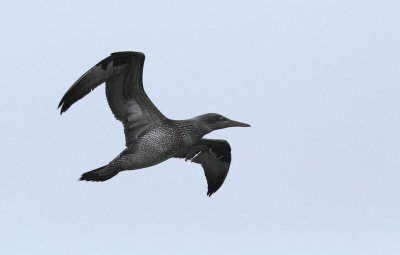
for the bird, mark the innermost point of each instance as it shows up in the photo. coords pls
(150, 137)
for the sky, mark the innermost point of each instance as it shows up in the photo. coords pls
(317, 173)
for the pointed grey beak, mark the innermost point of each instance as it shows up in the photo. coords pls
(232, 123)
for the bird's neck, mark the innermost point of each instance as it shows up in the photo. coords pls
(192, 127)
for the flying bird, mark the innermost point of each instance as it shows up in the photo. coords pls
(150, 137)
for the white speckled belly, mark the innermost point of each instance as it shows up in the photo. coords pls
(151, 149)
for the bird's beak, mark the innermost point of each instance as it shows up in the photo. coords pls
(232, 123)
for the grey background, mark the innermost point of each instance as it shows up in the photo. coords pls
(317, 173)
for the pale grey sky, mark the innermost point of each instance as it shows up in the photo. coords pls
(317, 173)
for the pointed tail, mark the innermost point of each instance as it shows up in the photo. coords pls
(100, 174)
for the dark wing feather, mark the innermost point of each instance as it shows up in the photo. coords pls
(122, 72)
(215, 158)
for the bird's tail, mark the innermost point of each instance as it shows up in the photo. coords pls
(100, 174)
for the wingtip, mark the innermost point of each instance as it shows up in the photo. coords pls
(62, 110)
(85, 179)
(61, 104)
(63, 107)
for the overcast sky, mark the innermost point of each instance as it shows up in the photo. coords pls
(317, 173)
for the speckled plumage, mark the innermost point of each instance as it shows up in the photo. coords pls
(151, 138)
(159, 144)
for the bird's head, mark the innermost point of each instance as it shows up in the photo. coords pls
(214, 121)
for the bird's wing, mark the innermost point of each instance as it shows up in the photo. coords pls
(122, 72)
(215, 158)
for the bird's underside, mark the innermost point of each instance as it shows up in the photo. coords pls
(150, 137)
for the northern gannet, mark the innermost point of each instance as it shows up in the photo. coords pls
(151, 138)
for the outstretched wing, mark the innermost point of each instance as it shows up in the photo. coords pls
(215, 158)
(122, 72)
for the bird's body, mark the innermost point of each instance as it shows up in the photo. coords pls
(151, 138)
(160, 144)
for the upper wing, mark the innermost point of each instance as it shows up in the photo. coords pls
(215, 158)
(122, 72)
